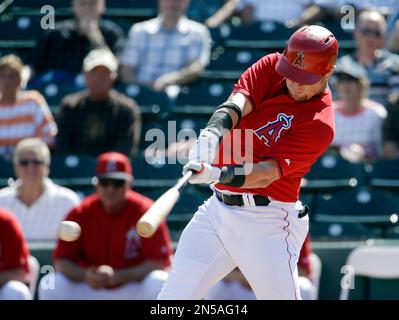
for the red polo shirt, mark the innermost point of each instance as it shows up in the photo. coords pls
(14, 252)
(111, 239)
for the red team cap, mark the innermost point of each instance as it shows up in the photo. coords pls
(113, 165)
(309, 54)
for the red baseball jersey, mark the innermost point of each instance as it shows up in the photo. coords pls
(292, 133)
(14, 252)
(111, 239)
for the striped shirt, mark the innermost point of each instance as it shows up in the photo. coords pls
(363, 127)
(29, 117)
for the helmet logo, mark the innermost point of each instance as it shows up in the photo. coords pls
(300, 55)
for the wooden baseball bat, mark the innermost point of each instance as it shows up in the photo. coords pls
(152, 218)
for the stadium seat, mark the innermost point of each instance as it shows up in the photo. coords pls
(22, 27)
(332, 172)
(150, 101)
(267, 35)
(385, 174)
(372, 208)
(373, 262)
(341, 231)
(72, 170)
(231, 62)
(54, 93)
(205, 93)
(6, 171)
(39, 3)
(154, 169)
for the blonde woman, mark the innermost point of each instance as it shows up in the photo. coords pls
(23, 114)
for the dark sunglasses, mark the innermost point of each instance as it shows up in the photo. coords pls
(371, 33)
(116, 183)
(26, 162)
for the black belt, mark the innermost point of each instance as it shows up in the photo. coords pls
(237, 199)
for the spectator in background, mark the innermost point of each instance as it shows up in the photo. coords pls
(167, 50)
(99, 119)
(236, 287)
(212, 12)
(391, 129)
(392, 43)
(326, 10)
(110, 260)
(251, 11)
(22, 113)
(63, 49)
(358, 120)
(381, 66)
(14, 255)
(38, 203)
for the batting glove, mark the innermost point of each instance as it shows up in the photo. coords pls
(205, 172)
(204, 149)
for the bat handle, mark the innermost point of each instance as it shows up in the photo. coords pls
(183, 180)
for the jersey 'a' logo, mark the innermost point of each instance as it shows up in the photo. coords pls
(272, 130)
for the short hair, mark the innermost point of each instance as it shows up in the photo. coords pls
(32, 144)
(370, 14)
(11, 61)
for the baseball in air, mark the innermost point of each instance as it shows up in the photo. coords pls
(69, 231)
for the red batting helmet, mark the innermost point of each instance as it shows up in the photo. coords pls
(309, 54)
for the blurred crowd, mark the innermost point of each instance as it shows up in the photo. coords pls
(163, 54)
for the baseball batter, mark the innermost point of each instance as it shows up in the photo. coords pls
(254, 220)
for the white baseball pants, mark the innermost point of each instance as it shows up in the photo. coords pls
(263, 241)
(65, 289)
(15, 290)
(234, 290)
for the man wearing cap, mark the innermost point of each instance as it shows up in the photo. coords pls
(283, 120)
(358, 120)
(110, 260)
(99, 119)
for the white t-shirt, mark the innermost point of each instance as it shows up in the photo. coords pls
(360, 4)
(272, 10)
(40, 221)
(363, 128)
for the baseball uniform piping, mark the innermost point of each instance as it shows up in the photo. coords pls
(289, 260)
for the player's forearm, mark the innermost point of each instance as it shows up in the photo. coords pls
(136, 273)
(258, 175)
(263, 174)
(70, 270)
(187, 74)
(13, 274)
(222, 14)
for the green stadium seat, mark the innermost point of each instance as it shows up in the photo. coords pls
(22, 27)
(332, 172)
(72, 170)
(6, 171)
(205, 92)
(266, 35)
(372, 208)
(40, 3)
(231, 62)
(150, 101)
(341, 231)
(385, 174)
(152, 170)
